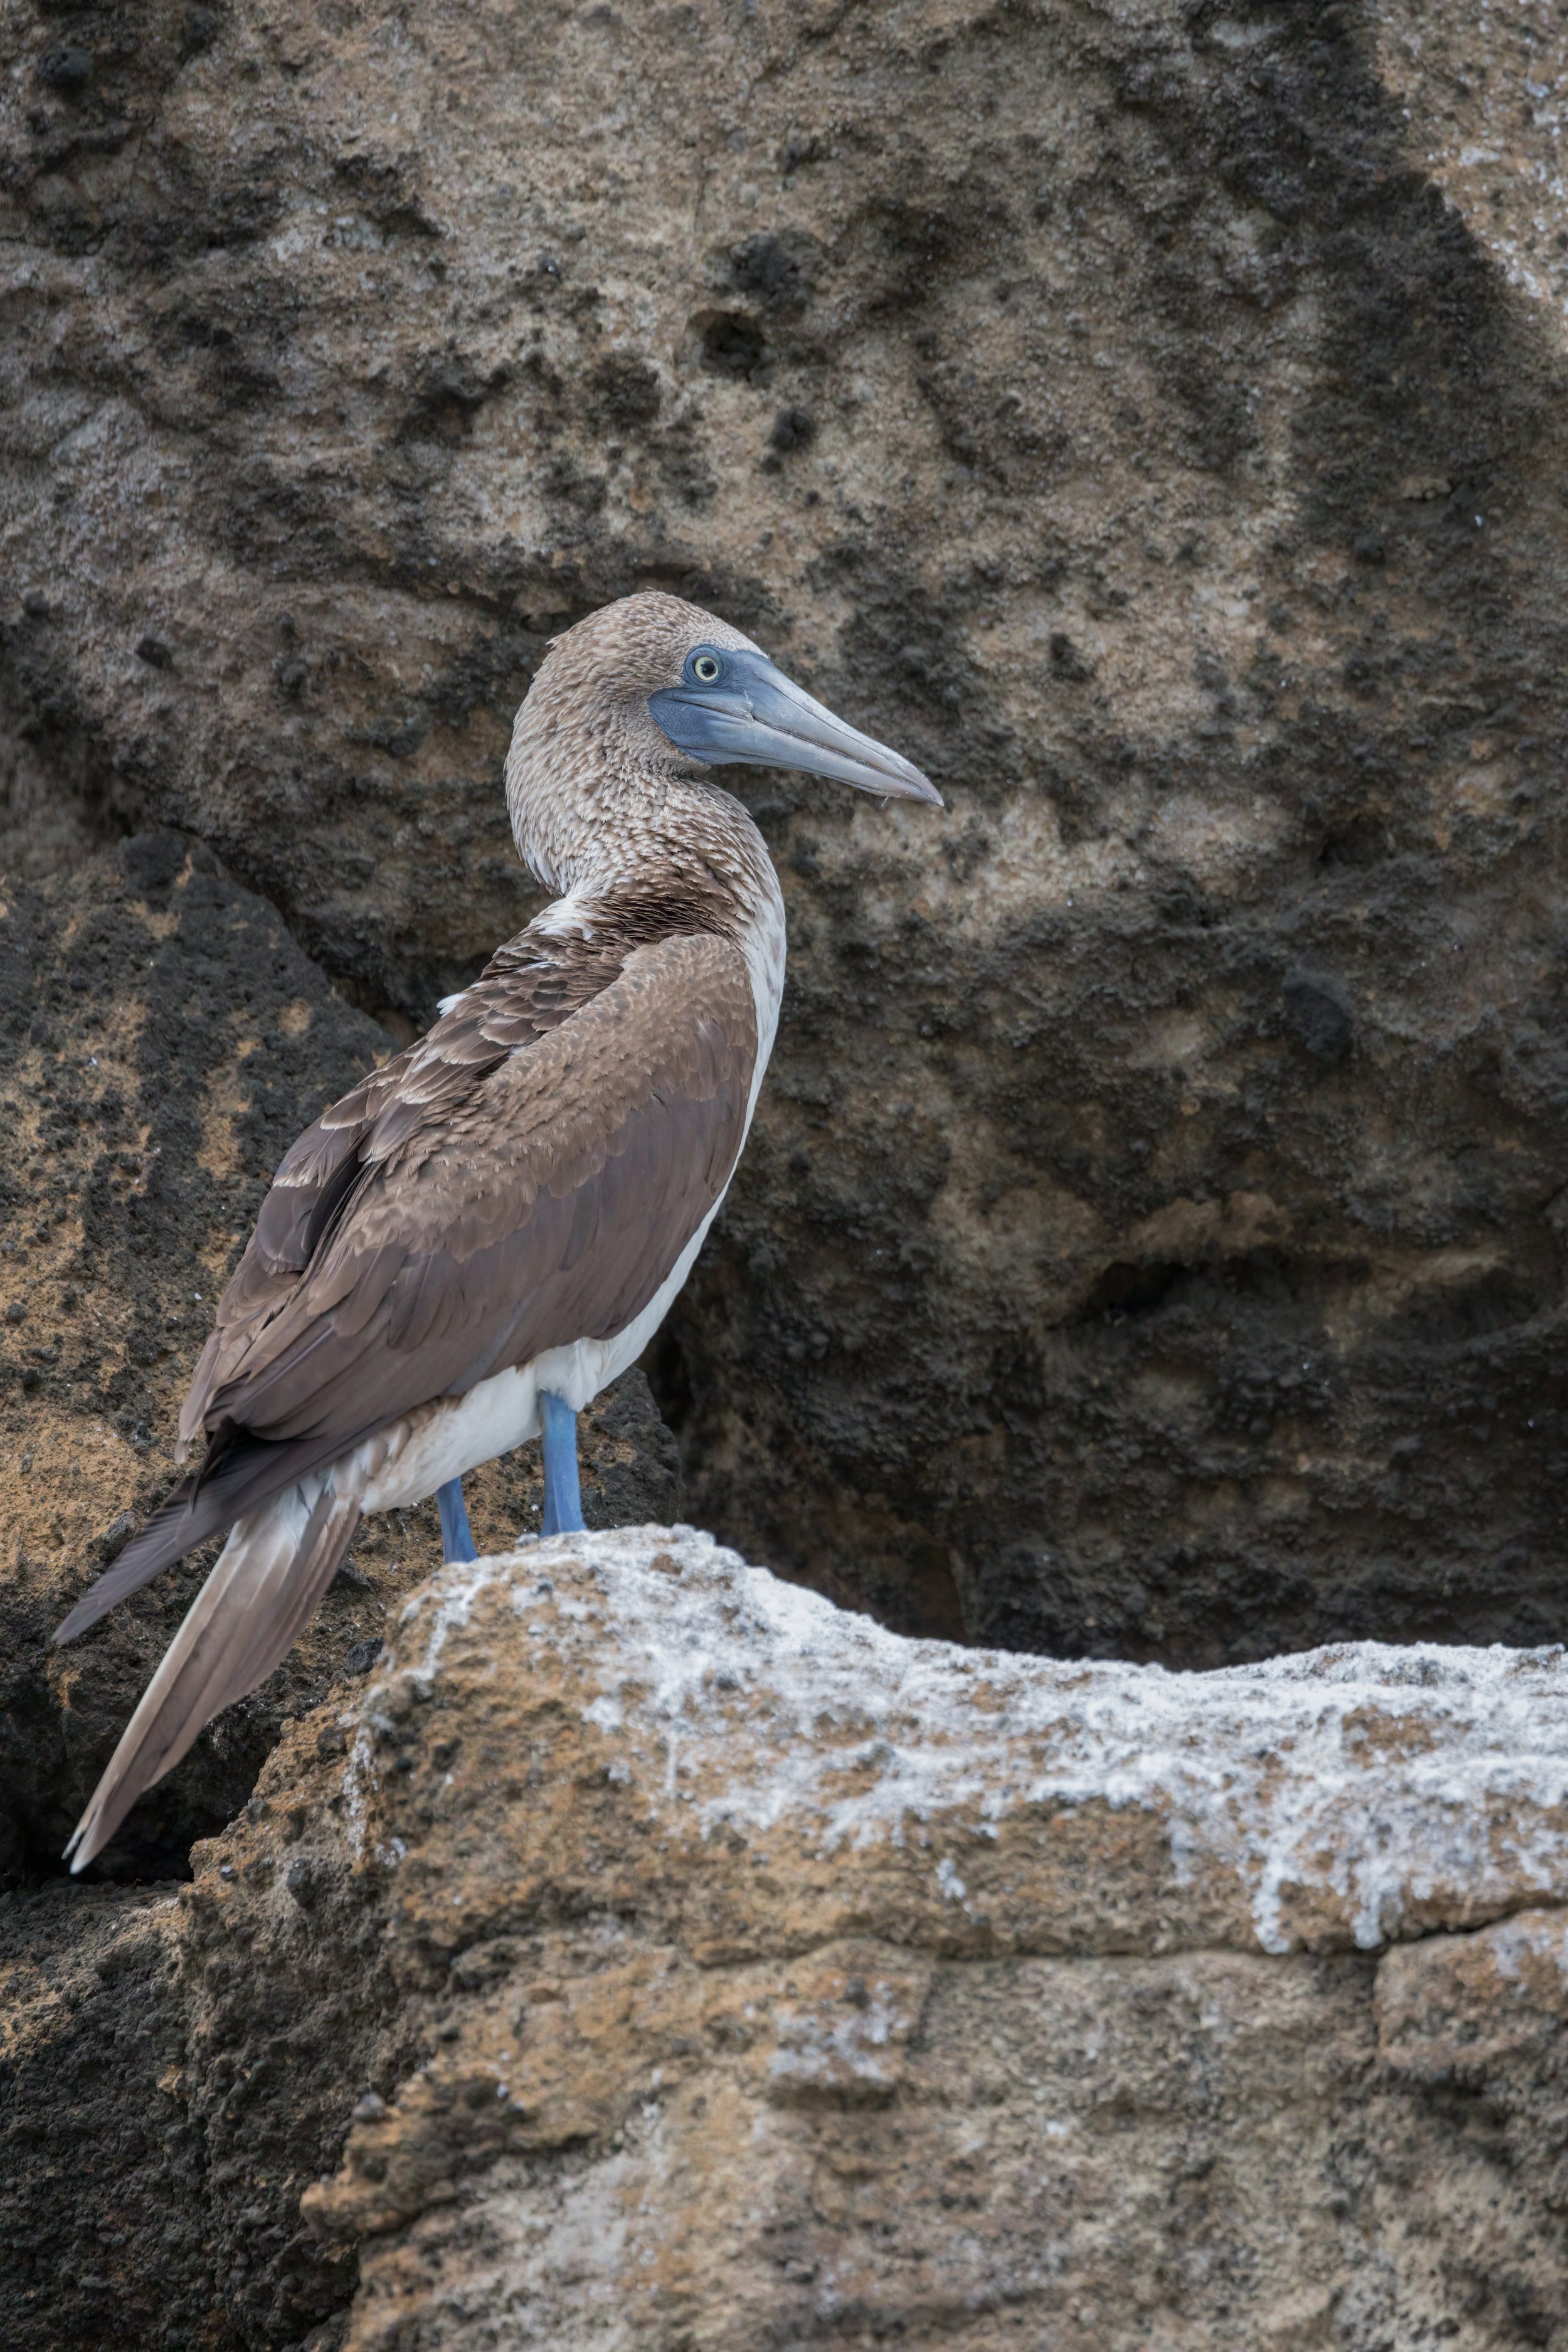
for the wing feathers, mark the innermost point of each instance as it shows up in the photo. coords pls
(355, 1289)
(570, 1177)
(315, 1175)
(468, 1207)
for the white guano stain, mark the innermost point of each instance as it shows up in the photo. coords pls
(1385, 1777)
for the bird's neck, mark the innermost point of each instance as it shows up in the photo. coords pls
(637, 856)
(655, 854)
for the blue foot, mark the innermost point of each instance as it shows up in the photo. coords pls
(563, 1499)
(456, 1543)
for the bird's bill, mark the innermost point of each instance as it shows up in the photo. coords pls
(757, 716)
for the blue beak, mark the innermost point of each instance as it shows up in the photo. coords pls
(752, 714)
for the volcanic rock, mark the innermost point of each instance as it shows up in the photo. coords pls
(1150, 1241)
(647, 1951)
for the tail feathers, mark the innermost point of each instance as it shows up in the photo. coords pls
(277, 1563)
(249, 1470)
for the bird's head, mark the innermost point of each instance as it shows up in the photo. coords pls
(661, 686)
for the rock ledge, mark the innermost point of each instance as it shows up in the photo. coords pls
(648, 1952)
(1355, 1794)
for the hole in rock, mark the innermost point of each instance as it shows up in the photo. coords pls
(1364, 841)
(729, 343)
(1128, 1289)
(146, 1853)
(60, 800)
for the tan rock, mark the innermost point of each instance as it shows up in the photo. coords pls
(742, 1970)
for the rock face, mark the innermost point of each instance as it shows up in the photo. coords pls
(1150, 421)
(649, 1953)
(1150, 1244)
(101, 2179)
(162, 1040)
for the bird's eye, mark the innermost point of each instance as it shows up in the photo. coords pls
(705, 668)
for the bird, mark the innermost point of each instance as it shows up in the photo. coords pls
(489, 1229)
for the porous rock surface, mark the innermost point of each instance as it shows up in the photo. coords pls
(648, 1954)
(162, 1040)
(1148, 416)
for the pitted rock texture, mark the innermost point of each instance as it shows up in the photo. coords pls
(650, 1954)
(162, 1040)
(1148, 417)
(100, 2176)
(1148, 420)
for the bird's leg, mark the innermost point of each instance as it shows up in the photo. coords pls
(456, 1543)
(563, 1499)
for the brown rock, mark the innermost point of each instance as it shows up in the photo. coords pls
(652, 1951)
(1151, 422)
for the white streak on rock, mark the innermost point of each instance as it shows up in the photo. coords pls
(1381, 1777)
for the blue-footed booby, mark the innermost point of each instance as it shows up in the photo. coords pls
(470, 1245)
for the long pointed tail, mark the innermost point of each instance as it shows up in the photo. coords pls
(278, 1562)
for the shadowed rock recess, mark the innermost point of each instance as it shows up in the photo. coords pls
(648, 1954)
(1148, 417)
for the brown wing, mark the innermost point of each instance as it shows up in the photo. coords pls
(525, 1177)
(530, 987)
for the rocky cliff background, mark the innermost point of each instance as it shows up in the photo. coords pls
(1152, 419)
(1151, 1245)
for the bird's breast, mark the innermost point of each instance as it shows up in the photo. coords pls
(761, 942)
